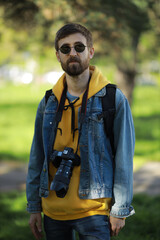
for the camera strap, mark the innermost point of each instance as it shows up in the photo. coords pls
(62, 107)
(83, 112)
(61, 104)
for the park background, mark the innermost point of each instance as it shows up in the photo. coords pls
(127, 45)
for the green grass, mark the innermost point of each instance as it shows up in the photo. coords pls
(14, 218)
(146, 114)
(143, 225)
(18, 106)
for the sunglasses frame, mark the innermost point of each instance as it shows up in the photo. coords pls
(60, 49)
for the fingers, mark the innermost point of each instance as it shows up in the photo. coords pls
(39, 224)
(35, 223)
(36, 233)
(116, 224)
(115, 231)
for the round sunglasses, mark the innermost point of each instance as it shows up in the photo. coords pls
(65, 49)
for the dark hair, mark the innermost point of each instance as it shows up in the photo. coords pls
(72, 28)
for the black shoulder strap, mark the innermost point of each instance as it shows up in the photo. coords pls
(47, 95)
(108, 105)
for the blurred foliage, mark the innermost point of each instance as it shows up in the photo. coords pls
(117, 25)
(18, 14)
(125, 31)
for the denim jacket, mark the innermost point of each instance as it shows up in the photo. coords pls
(100, 175)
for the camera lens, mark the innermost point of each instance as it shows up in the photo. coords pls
(61, 181)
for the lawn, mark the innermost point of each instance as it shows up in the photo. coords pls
(142, 226)
(146, 115)
(18, 106)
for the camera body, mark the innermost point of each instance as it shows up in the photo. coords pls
(64, 161)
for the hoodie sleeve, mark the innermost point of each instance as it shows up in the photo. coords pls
(124, 140)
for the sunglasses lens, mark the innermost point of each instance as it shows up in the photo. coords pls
(79, 48)
(65, 49)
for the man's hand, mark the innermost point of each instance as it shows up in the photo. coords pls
(35, 223)
(116, 224)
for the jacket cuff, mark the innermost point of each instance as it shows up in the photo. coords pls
(34, 207)
(122, 212)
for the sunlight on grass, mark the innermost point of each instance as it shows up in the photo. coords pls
(19, 105)
(138, 162)
(146, 113)
(146, 101)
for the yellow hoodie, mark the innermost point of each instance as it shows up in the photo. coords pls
(71, 206)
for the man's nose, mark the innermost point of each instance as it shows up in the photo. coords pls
(73, 52)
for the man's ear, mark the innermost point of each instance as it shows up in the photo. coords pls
(58, 57)
(91, 52)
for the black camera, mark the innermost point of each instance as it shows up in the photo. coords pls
(64, 161)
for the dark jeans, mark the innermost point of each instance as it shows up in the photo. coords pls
(89, 228)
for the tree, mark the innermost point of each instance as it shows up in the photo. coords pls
(117, 27)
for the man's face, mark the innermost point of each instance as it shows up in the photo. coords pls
(74, 63)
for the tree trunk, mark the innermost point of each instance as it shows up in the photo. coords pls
(125, 80)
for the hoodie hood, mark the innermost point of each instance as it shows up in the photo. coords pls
(97, 82)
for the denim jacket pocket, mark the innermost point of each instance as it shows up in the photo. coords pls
(96, 125)
(49, 113)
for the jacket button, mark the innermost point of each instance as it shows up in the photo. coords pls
(44, 170)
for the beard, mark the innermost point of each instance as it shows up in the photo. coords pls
(74, 66)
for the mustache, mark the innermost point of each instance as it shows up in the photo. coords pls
(73, 59)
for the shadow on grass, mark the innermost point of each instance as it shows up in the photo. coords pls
(144, 225)
(14, 157)
(14, 218)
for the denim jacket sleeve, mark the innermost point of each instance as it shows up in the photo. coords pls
(124, 140)
(35, 164)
